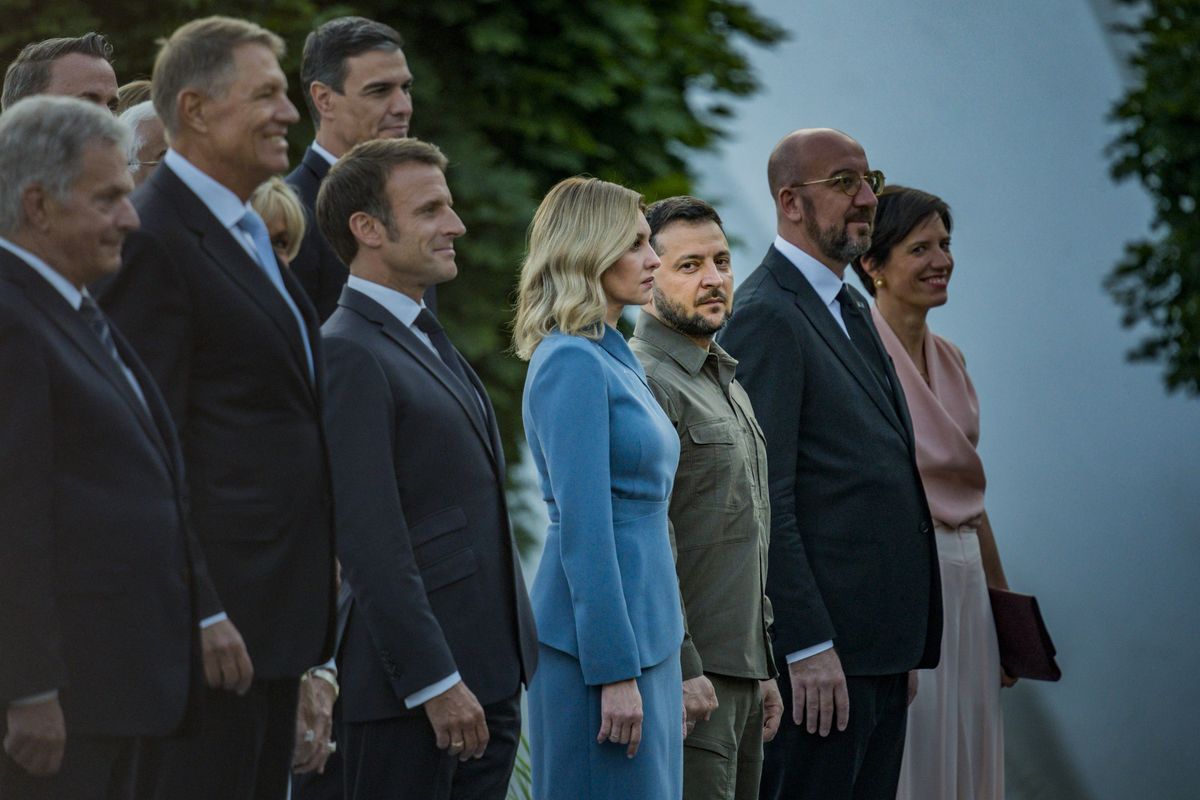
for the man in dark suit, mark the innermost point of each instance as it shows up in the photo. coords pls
(440, 634)
(234, 344)
(854, 577)
(67, 67)
(358, 87)
(97, 574)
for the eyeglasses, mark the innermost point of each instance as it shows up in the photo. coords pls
(135, 164)
(849, 182)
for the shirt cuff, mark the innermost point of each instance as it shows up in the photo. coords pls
(429, 692)
(34, 699)
(213, 620)
(809, 652)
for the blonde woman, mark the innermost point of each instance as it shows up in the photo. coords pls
(280, 208)
(605, 705)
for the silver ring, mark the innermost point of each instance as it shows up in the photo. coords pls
(310, 735)
(332, 747)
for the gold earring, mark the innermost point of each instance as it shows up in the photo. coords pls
(879, 283)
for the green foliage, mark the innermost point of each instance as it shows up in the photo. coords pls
(1158, 281)
(518, 93)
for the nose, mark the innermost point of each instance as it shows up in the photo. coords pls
(710, 275)
(455, 227)
(652, 262)
(127, 216)
(402, 105)
(288, 114)
(943, 258)
(865, 198)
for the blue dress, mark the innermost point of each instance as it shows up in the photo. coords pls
(606, 596)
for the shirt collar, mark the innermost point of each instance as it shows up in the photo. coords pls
(822, 279)
(217, 198)
(681, 349)
(73, 296)
(398, 304)
(323, 153)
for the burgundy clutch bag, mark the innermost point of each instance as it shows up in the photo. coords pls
(1025, 647)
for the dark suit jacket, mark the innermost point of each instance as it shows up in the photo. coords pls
(226, 351)
(96, 569)
(852, 555)
(317, 266)
(423, 531)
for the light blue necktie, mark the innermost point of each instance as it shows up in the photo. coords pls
(251, 223)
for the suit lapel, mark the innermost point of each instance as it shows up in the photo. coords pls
(618, 349)
(393, 329)
(316, 164)
(232, 259)
(809, 303)
(68, 320)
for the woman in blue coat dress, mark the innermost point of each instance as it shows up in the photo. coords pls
(605, 707)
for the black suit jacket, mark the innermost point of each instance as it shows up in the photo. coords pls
(317, 266)
(852, 555)
(423, 530)
(96, 568)
(227, 354)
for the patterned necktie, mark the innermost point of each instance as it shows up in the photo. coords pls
(253, 226)
(94, 317)
(860, 334)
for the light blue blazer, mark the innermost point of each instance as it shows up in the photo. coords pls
(606, 591)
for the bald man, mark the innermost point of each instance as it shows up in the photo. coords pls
(853, 579)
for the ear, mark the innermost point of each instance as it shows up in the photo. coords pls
(35, 202)
(190, 109)
(788, 202)
(872, 266)
(322, 98)
(367, 230)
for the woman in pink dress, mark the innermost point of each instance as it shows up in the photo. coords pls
(955, 742)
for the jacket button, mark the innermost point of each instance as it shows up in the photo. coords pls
(925, 528)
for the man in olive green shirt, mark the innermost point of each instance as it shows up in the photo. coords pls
(720, 510)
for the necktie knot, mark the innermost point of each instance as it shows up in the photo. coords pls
(428, 323)
(849, 302)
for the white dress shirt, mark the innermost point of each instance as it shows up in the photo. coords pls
(323, 153)
(404, 309)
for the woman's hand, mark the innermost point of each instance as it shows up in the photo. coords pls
(621, 715)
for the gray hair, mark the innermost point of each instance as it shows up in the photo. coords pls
(133, 117)
(42, 140)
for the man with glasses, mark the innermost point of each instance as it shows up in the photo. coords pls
(854, 578)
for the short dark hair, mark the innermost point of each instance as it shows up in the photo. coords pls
(327, 48)
(358, 182)
(900, 210)
(29, 73)
(682, 208)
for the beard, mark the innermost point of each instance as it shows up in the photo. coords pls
(677, 317)
(834, 242)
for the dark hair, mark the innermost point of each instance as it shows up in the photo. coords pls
(29, 73)
(358, 182)
(900, 210)
(682, 208)
(327, 48)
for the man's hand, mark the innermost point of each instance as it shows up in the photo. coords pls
(699, 701)
(621, 715)
(913, 681)
(458, 722)
(772, 708)
(226, 662)
(1007, 681)
(818, 690)
(37, 736)
(314, 725)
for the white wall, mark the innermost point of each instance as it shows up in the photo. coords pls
(1000, 108)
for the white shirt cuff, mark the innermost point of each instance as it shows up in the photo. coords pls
(213, 620)
(429, 692)
(330, 665)
(809, 652)
(34, 699)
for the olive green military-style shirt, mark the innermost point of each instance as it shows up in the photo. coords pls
(720, 511)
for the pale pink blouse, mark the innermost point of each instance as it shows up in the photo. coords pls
(945, 418)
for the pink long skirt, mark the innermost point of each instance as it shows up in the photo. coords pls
(954, 748)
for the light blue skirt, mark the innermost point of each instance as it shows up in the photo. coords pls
(564, 718)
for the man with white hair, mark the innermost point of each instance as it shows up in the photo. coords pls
(97, 572)
(148, 144)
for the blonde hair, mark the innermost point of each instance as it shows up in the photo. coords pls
(582, 227)
(274, 199)
(199, 55)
